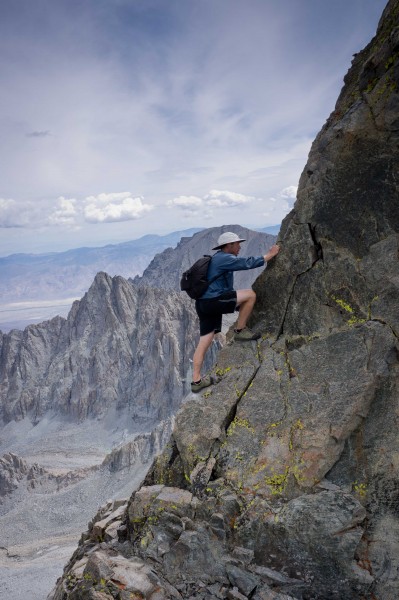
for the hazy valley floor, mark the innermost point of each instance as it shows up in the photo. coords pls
(41, 526)
(18, 315)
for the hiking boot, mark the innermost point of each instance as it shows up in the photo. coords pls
(203, 383)
(245, 335)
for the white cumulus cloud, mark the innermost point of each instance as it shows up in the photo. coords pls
(187, 203)
(111, 208)
(72, 212)
(224, 198)
(289, 192)
(111, 198)
(15, 214)
(191, 205)
(280, 205)
(65, 214)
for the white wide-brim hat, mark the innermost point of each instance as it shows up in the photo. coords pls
(227, 238)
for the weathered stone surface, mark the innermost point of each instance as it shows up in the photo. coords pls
(266, 593)
(243, 555)
(234, 594)
(167, 467)
(158, 516)
(175, 500)
(79, 566)
(98, 567)
(197, 555)
(201, 474)
(141, 505)
(108, 575)
(201, 423)
(303, 404)
(244, 581)
(133, 576)
(100, 527)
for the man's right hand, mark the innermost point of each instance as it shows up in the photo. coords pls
(273, 251)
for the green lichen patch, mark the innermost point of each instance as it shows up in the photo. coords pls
(277, 481)
(348, 311)
(241, 423)
(360, 488)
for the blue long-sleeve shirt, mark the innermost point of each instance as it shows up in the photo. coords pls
(225, 263)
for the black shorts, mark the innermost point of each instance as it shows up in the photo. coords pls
(210, 312)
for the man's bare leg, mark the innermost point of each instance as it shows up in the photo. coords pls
(246, 300)
(203, 345)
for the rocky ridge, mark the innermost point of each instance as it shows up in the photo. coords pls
(13, 469)
(119, 347)
(282, 480)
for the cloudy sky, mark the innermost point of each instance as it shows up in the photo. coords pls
(120, 118)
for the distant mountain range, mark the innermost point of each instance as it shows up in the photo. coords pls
(273, 229)
(37, 287)
(58, 275)
(61, 275)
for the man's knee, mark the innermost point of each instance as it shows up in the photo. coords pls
(246, 296)
(206, 340)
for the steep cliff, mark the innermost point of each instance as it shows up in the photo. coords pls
(282, 480)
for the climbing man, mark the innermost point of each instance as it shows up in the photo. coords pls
(220, 298)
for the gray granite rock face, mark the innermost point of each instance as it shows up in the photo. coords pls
(120, 347)
(13, 469)
(281, 480)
